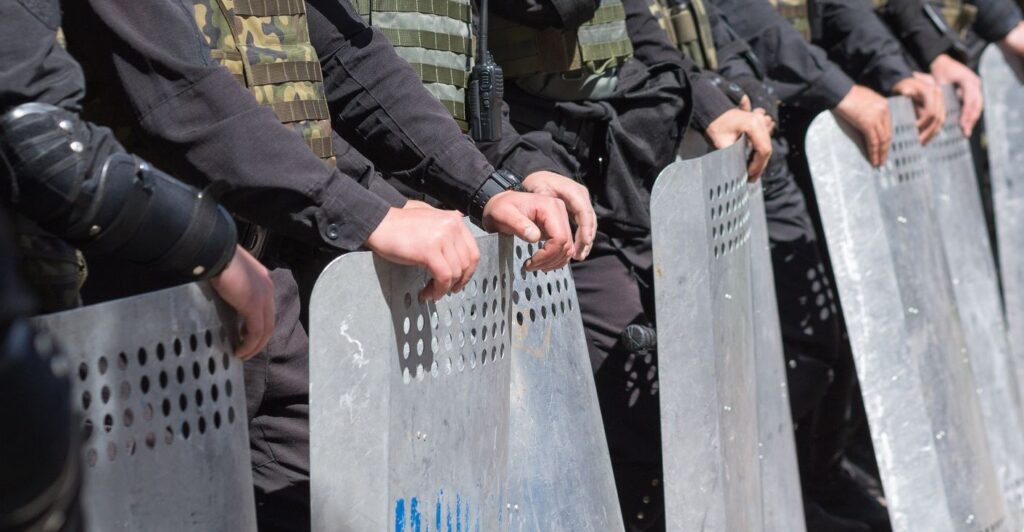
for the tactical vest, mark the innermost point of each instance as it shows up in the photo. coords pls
(958, 14)
(599, 44)
(436, 38)
(795, 11)
(688, 28)
(265, 44)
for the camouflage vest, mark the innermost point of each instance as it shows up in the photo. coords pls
(688, 28)
(598, 45)
(265, 44)
(795, 11)
(436, 38)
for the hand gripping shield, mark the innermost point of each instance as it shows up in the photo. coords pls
(561, 475)
(161, 398)
(959, 211)
(1003, 81)
(409, 401)
(780, 474)
(908, 345)
(700, 226)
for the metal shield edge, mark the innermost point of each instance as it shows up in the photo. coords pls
(707, 389)
(561, 476)
(163, 404)
(780, 473)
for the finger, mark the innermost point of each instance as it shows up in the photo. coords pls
(578, 205)
(554, 223)
(455, 264)
(885, 137)
(512, 220)
(762, 145)
(470, 256)
(252, 332)
(971, 112)
(745, 103)
(441, 277)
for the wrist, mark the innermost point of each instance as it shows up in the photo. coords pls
(499, 181)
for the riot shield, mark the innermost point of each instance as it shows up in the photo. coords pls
(908, 345)
(780, 474)
(1003, 84)
(161, 398)
(561, 476)
(409, 400)
(700, 226)
(959, 211)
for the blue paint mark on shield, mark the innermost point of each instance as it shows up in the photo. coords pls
(400, 515)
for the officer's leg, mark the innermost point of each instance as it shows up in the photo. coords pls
(277, 394)
(610, 300)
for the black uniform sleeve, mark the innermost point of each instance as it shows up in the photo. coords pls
(203, 118)
(856, 38)
(735, 58)
(652, 47)
(921, 38)
(547, 13)
(995, 18)
(800, 73)
(379, 105)
(33, 67)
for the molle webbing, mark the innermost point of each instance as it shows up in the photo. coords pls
(795, 11)
(436, 38)
(958, 14)
(599, 44)
(690, 30)
(265, 45)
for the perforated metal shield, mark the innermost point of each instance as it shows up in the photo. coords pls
(561, 475)
(780, 475)
(166, 445)
(959, 211)
(1004, 124)
(708, 389)
(910, 353)
(409, 401)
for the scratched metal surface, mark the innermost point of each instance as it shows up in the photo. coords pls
(1004, 124)
(908, 344)
(409, 401)
(162, 402)
(708, 389)
(959, 211)
(561, 476)
(780, 476)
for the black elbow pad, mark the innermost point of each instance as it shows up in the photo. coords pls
(75, 181)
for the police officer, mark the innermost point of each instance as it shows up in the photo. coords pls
(72, 179)
(167, 60)
(601, 80)
(820, 365)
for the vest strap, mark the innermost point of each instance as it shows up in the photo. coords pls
(441, 8)
(427, 39)
(299, 110)
(269, 8)
(321, 146)
(274, 73)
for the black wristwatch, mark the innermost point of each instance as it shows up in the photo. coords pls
(499, 181)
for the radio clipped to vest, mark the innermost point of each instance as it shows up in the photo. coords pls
(692, 29)
(486, 90)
